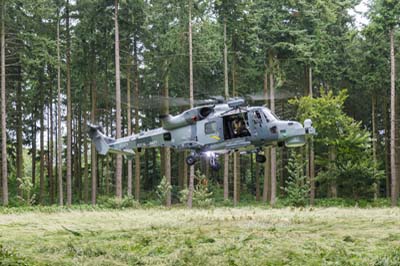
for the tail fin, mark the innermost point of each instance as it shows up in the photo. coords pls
(100, 140)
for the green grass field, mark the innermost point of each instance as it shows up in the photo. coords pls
(220, 236)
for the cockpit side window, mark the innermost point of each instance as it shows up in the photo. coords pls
(270, 116)
(257, 118)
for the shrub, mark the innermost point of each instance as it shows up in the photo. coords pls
(297, 185)
(163, 189)
(116, 203)
(26, 187)
(202, 197)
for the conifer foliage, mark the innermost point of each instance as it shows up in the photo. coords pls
(65, 63)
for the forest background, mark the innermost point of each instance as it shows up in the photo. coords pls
(65, 63)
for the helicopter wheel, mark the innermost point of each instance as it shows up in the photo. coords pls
(214, 164)
(260, 158)
(191, 160)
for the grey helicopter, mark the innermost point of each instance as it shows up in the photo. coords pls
(211, 130)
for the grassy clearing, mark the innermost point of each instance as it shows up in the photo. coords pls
(220, 236)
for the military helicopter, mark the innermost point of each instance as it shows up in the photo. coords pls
(211, 130)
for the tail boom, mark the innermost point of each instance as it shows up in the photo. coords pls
(105, 144)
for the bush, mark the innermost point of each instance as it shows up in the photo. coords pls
(26, 187)
(202, 197)
(116, 203)
(297, 185)
(163, 189)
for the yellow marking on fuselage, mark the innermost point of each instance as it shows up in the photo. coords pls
(215, 137)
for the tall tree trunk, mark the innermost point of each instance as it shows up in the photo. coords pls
(162, 161)
(273, 149)
(374, 144)
(311, 164)
(118, 167)
(235, 178)
(236, 156)
(267, 164)
(69, 113)
(55, 147)
(312, 172)
(397, 144)
(239, 177)
(99, 173)
(185, 171)
(387, 143)
(51, 146)
(78, 149)
(393, 121)
(257, 180)
(93, 160)
(191, 101)
(166, 150)
(310, 86)
(283, 153)
(86, 163)
(34, 144)
(3, 110)
(59, 131)
(136, 103)
(153, 170)
(20, 158)
(129, 120)
(42, 159)
(267, 176)
(226, 85)
(146, 165)
(108, 124)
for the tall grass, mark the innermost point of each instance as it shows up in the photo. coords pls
(213, 236)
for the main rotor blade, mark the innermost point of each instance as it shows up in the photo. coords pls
(279, 95)
(157, 102)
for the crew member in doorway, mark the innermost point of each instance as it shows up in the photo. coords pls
(238, 127)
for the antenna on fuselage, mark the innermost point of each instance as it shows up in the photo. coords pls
(236, 103)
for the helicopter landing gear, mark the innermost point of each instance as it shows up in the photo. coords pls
(214, 164)
(212, 159)
(191, 160)
(260, 158)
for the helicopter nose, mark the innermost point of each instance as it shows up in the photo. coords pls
(292, 133)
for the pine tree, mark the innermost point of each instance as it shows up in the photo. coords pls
(118, 167)
(59, 133)
(191, 102)
(4, 172)
(386, 13)
(69, 110)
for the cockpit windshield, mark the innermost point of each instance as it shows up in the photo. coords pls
(270, 115)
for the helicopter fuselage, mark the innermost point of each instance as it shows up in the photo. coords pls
(215, 129)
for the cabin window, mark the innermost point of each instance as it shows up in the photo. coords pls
(210, 127)
(167, 136)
